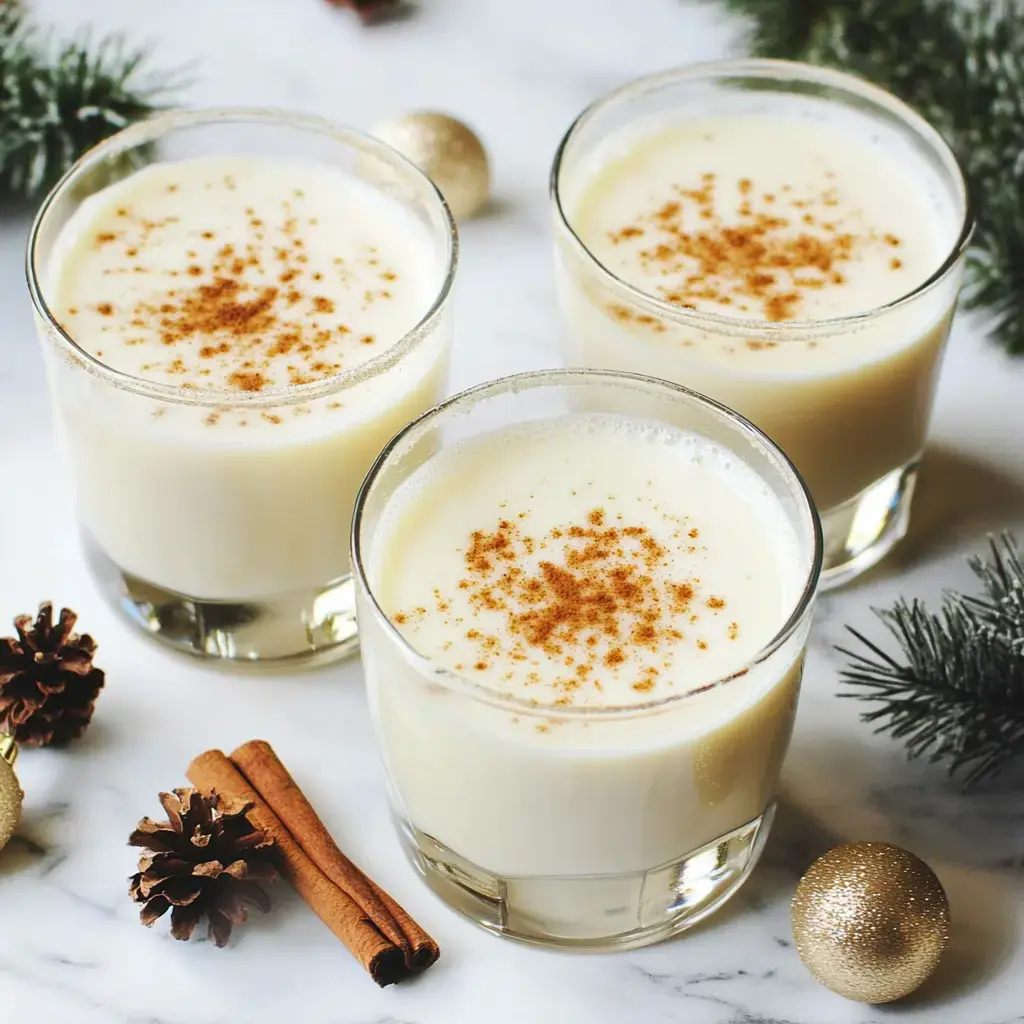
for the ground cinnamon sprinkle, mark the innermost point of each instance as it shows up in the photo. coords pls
(607, 595)
(248, 380)
(763, 261)
(243, 313)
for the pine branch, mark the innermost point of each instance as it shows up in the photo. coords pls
(961, 64)
(56, 102)
(1001, 610)
(956, 694)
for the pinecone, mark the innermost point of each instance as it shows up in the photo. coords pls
(48, 683)
(202, 861)
(371, 11)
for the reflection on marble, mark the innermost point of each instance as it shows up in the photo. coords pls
(71, 949)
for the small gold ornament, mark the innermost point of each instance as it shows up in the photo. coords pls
(870, 921)
(446, 151)
(11, 795)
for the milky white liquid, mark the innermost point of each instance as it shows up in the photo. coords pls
(251, 277)
(493, 560)
(850, 223)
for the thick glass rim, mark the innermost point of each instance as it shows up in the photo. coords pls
(780, 70)
(161, 124)
(451, 680)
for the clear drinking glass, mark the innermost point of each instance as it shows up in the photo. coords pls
(855, 428)
(631, 823)
(234, 545)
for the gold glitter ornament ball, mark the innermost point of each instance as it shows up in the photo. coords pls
(11, 795)
(448, 152)
(870, 921)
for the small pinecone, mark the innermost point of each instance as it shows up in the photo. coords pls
(370, 11)
(202, 861)
(48, 683)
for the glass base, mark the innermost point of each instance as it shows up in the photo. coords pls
(592, 913)
(309, 626)
(861, 532)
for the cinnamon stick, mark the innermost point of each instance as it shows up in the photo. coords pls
(274, 783)
(384, 961)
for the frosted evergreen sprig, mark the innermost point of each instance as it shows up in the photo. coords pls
(59, 100)
(955, 692)
(961, 64)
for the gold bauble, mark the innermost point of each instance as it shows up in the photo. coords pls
(870, 921)
(447, 152)
(10, 792)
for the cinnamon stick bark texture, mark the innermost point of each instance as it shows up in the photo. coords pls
(384, 961)
(269, 777)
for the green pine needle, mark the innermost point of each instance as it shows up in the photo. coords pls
(961, 64)
(56, 102)
(956, 694)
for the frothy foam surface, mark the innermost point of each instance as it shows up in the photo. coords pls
(761, 218)
(589, 560)
(241, 274)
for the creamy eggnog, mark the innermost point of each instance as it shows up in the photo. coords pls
(224, 297)
(760, 258)
(590, 579)
(815, 226)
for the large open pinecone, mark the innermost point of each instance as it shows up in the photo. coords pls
(48, 683)
(202, 861)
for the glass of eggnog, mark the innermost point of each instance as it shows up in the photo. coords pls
(584, 599)
(786, 239)
(237, 309)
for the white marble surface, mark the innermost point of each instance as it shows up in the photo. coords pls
(70, 945)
